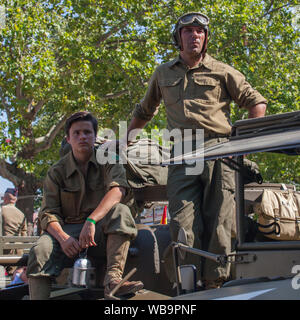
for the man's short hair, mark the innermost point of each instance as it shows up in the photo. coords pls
(81, 116)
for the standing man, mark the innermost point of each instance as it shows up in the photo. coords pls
(13, 221)
(81, 209)
(197, 91)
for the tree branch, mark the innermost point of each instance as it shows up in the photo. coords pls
(135, 40)
(5, 172)
(117, 28)
(33, 108)
(126, 40)
(271, 5)
(276, 9)
(112, 31)
(114, 95)
(44, 143)
(18, 176)
(113, 45)
(19, 93)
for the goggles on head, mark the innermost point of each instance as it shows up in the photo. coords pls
(190, 19)
(193, 18)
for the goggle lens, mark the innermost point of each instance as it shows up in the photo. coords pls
(191, 18)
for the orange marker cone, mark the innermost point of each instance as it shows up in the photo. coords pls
(164, 219)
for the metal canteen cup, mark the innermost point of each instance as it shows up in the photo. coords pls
(82, 270)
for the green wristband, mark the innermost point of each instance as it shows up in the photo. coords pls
(91, 220)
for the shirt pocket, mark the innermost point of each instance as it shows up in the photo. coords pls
(97, 185)
(207, 90)
(70, 198)
(170, 89)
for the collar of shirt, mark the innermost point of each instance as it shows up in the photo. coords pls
(207, 62)
(72, 166)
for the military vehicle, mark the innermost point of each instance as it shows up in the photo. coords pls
(265, 262)
(265, 266)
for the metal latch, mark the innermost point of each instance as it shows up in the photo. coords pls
(242, 258)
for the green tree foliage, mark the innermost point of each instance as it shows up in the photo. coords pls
(61, 56)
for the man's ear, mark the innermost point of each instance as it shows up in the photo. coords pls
(67, 138)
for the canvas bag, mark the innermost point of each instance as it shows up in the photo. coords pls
(143, 162)
(279, 215)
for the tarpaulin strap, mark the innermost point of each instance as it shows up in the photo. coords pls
(275, 231)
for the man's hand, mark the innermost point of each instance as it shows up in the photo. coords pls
(70, 246)
(257, 111)
(87, 234)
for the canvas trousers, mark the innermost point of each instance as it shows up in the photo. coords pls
(204, 206)
(46, 257)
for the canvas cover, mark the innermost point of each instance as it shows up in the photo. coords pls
(275, 133)
(143, 167)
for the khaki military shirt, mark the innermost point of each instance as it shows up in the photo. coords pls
(69, 197)
(13, 221)
(197, 98)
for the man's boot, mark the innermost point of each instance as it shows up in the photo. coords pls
(117, 250)
(39, 288)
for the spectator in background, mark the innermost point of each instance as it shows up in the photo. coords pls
(19, 276)
(13, 221)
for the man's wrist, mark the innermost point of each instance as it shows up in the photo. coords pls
(91, 220)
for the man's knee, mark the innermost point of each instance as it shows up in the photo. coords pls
(39, 254)
(119, 220)
(43, 247)
(121, 208)
(120, 211)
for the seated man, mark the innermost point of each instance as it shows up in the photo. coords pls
(81, 209)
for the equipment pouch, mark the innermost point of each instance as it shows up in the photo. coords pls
(279, 214)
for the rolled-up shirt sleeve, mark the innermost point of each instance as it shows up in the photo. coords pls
(241, 91)
(51, 205)
(149, 105)
(116, 176)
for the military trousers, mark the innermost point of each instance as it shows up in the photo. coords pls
(204, 206)
(46, 257)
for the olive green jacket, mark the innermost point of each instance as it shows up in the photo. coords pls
(197, 98)
(69, 197)
(13, 221)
